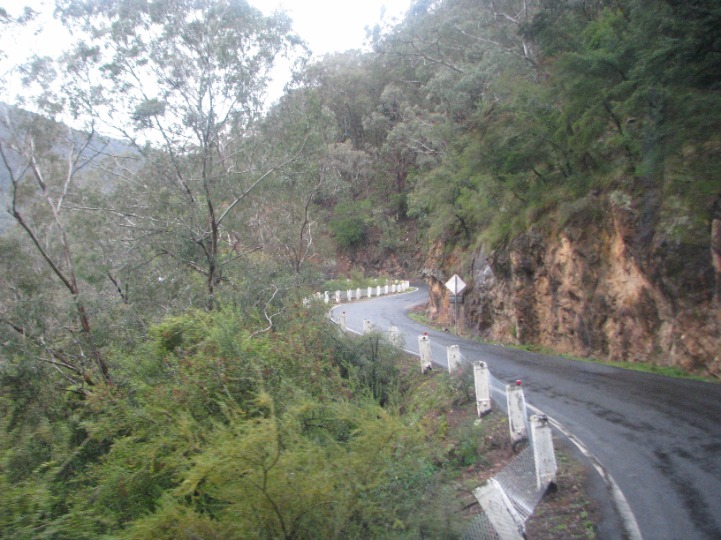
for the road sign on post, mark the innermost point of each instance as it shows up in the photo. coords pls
(456, 286)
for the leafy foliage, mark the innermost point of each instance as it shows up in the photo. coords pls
(149, 387)
(212, 432)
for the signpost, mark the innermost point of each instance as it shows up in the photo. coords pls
(455, 285)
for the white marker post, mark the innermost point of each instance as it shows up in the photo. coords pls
(516, 412)
(337, 297)
(370, 292)
(455, 358)
(367, 326)
(358, 294)
(424, 347)
(349, 295)
(395, 337)
(326, 297)
(543, 454)
(343, 321)
(506, 521)
(483, 388)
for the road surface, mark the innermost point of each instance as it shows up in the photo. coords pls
(658, 437)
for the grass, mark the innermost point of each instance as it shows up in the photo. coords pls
(666, 371)
(422, 319)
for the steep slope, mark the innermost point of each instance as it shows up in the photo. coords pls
(599, 286)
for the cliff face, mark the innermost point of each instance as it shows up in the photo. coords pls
(606, 285)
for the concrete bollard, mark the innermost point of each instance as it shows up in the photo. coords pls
(378, 290)
(337, 297)
(349, 295)
(326, 297)
(387, 290)
(393, 288)
(343, 321)
(455, 358)
(543, 454)
(516, 412)
(358, 294)
(367, 326)
(424, 347)
(370, 292)
(506, 521)
(481, 381)
(395, 337)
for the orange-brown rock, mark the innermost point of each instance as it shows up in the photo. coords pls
(600, 286)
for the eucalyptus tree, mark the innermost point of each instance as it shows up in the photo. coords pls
(288, 208)
(42, 160)
(184, 80)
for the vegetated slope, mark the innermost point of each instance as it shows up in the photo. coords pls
(210, 431)
(563, 158)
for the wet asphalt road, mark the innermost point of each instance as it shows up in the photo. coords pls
(658, 437)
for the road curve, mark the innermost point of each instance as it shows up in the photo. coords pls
(658, 437)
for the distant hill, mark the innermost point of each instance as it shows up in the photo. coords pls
(111, 147)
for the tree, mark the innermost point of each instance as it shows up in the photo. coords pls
(190, 75)
(287, 206)
(43, 160)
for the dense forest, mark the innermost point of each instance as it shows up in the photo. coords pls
(157, 375)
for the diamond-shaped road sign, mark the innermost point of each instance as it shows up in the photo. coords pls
(455, 285)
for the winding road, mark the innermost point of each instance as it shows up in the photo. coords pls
(658, 438)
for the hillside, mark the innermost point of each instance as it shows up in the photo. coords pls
(160, 374)
(14, 122)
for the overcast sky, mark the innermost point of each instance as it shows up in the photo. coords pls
(326, 25)
(335, 25)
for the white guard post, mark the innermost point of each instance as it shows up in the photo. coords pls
(455, 358)
(326, 297)
(543, 455)
(483, 388)
(424, 347)
(516, 412)
(395, 337)
(358, 294)
(370, 292)
(506, 521)
(337, 297)
(343, 321)
(367, 326)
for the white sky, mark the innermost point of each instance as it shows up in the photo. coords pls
(335, 25)
(327, 26)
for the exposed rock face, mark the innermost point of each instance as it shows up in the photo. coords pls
(602, 286)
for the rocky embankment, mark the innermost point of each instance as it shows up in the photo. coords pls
(606, 284)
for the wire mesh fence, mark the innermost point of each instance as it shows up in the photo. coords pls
(508, 499)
